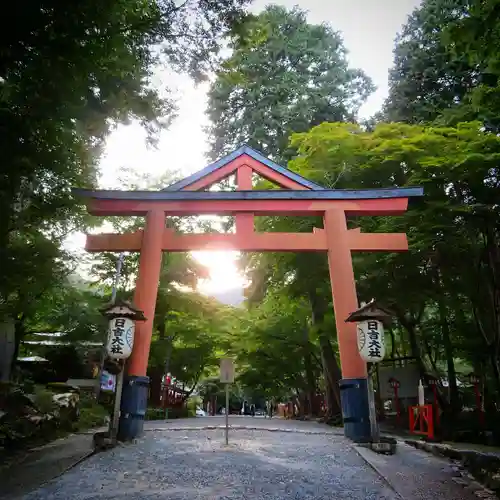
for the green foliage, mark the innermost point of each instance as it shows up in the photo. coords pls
(190, 332)
(43, 400)
(443, 290)
(271, 343)
(192, 404)
(476, 35)
(91, 415)
(68, 75)
(66, 79)
(284, 76)
(155, 414)
(446, 65)
(426, 78)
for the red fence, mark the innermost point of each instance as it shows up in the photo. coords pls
(421, 420)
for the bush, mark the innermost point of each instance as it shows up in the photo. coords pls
(193, 403)
(159, 413)
(156, 414)
(92, 414)
(26, 418)
(466, 427)
(44, 400)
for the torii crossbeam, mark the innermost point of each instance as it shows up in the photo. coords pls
(300, 197)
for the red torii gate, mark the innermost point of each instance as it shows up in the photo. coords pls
(299, 197)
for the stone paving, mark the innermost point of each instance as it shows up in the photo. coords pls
(266, 459)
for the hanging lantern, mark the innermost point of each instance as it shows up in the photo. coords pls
(123, 316)
(370, 329)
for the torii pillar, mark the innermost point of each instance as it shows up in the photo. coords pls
(354, 383)
(136, 384)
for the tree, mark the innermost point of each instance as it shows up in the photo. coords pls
(449, 277)
(427, 79)
(476, 35)
(67, 76)
(445, 65)
(284, 76)
(189, 335)
(275, 356)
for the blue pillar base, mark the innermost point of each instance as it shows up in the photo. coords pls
(355, 409)
(133, 407)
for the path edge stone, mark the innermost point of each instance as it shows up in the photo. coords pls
(482, 468)
(239, 428)
(364, 453)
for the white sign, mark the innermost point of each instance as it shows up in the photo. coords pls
(407, 375)
(108, 381)
(371, 342)
(227, 371)
(120, 338)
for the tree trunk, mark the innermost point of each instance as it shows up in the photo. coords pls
(493, 261)
(450, 362)
(495, 364)
(447, 343)
(9, 348)
(394, 350)
(162, 335)
(310, 380)
(331, 370)
(410, 328)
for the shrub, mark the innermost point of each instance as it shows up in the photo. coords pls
(92, 414)
(155, 414)
(44, 400)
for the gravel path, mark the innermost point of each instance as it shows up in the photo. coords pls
(266, 459)
(194, 464)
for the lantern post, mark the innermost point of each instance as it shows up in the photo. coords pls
(395, 384)
(370, 319)
(475, 380)
(122, 316)
(167, 382)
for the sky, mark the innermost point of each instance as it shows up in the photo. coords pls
(369, 28)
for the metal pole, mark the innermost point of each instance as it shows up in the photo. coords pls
(119, 265)
(227, 414)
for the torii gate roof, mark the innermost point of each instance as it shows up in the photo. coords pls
(300, 196)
